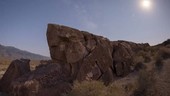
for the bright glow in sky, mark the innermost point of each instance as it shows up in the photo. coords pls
(146, 4)
(23, 23)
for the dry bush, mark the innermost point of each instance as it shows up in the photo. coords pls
(140, 66)
(116, 89)
(146, 54)
(146, 84)
(142, 56)
(138, 59)
(88, 88)
(147, 59)
(164, 52)
(95, 88)
(159, 64)
(154, 52)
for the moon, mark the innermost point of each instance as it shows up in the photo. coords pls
(146, 4)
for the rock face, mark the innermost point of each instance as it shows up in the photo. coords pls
(88, 56)
(76, 55)
(16, 69)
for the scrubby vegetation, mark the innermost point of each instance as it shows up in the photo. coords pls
(4, 63)
(164, 53)
(95, 88)
(159, 64)
(149, 82)
(146, 84)
(140, 66)
(145, 54)
(88, 88)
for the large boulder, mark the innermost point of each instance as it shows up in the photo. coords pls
(49, 79)
(122, 58)
(16, 69)
(88, 56)
(66, 44)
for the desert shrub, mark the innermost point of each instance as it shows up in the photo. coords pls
(138, 59)
(88, 88)
(95, 88)
(115, 89)
(146, 84)
(142, 56)
(140, 66)
(145, 55)
(142, 53)
(147, 59)
(159, 64)
(164, 53)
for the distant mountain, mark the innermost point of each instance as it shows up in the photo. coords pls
(10, 52)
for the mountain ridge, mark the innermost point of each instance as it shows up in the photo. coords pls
(11, 52)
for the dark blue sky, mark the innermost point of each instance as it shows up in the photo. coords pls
(23, 23)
